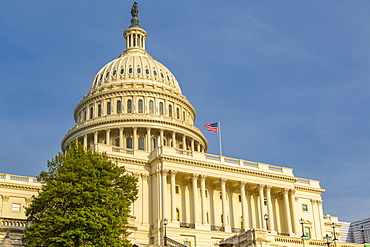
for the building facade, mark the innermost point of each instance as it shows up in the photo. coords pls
(136, 113)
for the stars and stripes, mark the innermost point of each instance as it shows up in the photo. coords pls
(212, 127)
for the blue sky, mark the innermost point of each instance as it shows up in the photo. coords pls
(289, 80)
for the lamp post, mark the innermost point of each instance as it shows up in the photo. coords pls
(333, 225)
(301, 221)
(266, 217)
(362, 228)
(165, 222)
(327, 240)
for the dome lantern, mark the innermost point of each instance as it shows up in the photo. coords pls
(135, 36)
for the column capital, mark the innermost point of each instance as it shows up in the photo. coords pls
(268, 188)
(165, 172)
(260, 187)
(194, 176)
(136, 174)
(292, 192)
(202, 177)
(173, 173)
(121, 128)
(144, 176)
(284, 191)
(242, 183)
(5, 198)
(107, 130)
(223, 180)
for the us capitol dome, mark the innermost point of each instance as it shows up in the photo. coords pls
(135, 103)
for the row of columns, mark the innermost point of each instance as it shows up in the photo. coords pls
(264, 191)
(86, 113)
(194, 146)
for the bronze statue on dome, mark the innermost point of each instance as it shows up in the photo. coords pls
(135, 14)
(135, 10)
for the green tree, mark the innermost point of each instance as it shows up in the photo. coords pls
(85, 201)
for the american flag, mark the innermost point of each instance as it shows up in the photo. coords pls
(212, 127)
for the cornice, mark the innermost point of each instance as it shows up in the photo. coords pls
(309, 189)
(225, 168)
(127, 160)
(19, 187)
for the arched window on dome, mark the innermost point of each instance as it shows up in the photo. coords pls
(177, 113)
(119, 106)
(99, 110)
(140, 106)
(170, 110)
(141, 143)
(183, 116)
(138, 70)
(160, 108)
(152, 144)
(109, 108)
(147, 71)
(91, 112)
(114, 72)
(116, 142)
(129, 142)
(129, 106)
(151, 107)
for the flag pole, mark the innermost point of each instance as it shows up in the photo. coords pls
(219, 137)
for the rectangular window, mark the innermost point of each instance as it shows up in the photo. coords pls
(265, 201)
(187, 243)
(307, 232)
(177, 189)
(304, 207)
(240, 198)
(206, 192)
(16, 207)
(220, 195)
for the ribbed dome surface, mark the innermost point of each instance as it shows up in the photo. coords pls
(134, 65)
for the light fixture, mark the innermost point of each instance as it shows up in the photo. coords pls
(327, 240)
(301, 221)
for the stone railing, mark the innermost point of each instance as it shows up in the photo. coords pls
(217, 228)
(237, 230)
(187, 225)
(17, 178)
(13, 223)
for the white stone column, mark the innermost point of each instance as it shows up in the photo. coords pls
(287, 210)
(148, 139)
(161, 142)
(120, 137)
(145, 198)
(321, 218)
(203, 198)
(85, 140)
(164, 194)
(173, 139)
(173, 195)
(224, 202)
(96, 137)
(294, 213)
(184, 142)
(134, 138)
(107, 136)
(271, 220)
(194, 178)
(244, 204)
(198, 147)
(260, 188)
(192, 145)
